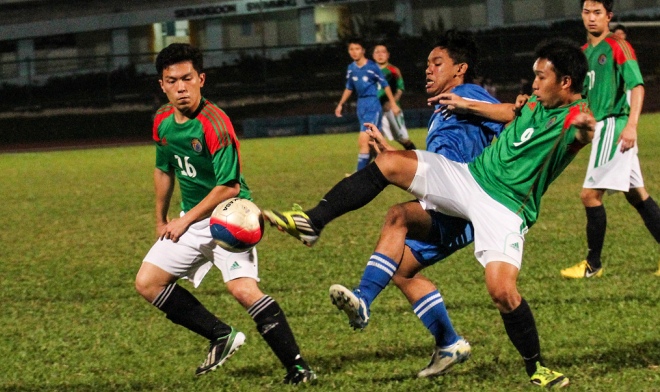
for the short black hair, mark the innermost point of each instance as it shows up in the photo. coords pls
(178, 53)
(356, 40)
(567, 59)
(607, 4)
(462, 48)
(620, 27)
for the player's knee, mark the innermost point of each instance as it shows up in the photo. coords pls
(396, 216)
(505, 298)
(590, 197)
(636, 195)
(245, 291)
(146, 287)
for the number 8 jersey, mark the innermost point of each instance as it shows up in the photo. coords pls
(203, 152)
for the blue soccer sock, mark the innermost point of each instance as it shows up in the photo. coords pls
(377, 274)
(363, 161)
(431, 310)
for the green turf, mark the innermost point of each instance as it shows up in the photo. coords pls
(77, 224)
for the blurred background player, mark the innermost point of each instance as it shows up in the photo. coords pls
(196, 145)
(615, 91)
(413, 238)
(393, 126)
(363, 76)
(620, 31)
(500, 191)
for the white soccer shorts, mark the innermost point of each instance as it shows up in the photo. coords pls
(609, 168)
(393, 127)
(447, 186)
(195, 253)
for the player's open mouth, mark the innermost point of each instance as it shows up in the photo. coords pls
(429, 84)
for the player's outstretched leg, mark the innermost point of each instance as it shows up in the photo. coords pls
(547, 378)
(444, 358)
(352, 304)
(347, 195)
(220, 350)
(295, 222)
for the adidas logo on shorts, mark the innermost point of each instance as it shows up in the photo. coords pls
(234, 266)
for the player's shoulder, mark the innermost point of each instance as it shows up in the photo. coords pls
(394, 70)
(211, 116)
(621, 49)
(474, 92)
(163, 112)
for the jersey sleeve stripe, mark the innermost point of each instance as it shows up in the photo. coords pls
(161, 114)
(222, 134)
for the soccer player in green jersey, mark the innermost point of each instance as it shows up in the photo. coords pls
(393, 126)
(615, 91)
(196, 146)
(499, 192)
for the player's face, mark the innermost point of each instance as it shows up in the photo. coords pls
(547, 88)
(356, 51)
(381, 55)
(595, 18)
(442, 74)
(183, 86)
(620, 34)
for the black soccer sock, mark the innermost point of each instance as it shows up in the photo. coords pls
(182, 308)
(596, 226)
(521, 328)
(348, 194)
(409, 145)
(273, 327)
(650, 213)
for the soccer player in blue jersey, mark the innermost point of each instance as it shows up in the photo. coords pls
(364, 76)
(429, 236)
(499, 191)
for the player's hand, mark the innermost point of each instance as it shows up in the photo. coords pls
(396, 109)
(450, 101)
(586, 124)
(628, 137)
(377, 141)
(174, 229)
(338, 110)
(521, 100)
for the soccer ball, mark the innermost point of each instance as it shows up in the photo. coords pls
(237, 225)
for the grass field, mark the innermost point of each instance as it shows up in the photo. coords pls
(77, 224)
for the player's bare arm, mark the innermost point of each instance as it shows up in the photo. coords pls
(344, 97)
(628, 136)
(176, 227)
(164, 186)
(502, 112)
(393, 106)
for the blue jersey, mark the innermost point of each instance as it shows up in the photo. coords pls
(462, 137)
(365, 80)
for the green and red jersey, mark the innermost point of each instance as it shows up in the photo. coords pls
(395, 80)
(529, 154)
(613, 72)
(203, 152)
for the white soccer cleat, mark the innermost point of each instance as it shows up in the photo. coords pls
(444, 358)
(351, 303)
